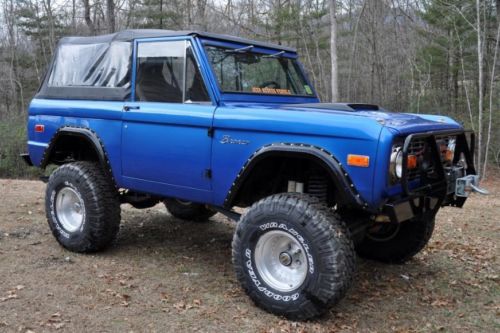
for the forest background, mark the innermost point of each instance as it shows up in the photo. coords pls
(419, 56)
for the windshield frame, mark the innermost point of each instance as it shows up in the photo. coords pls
(258, 96)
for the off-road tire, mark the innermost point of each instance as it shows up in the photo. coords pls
(188, 211)
(101, 217)
(409, 240)
(330, 254)
(144, 204)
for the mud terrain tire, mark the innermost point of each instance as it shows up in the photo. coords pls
(82, 207)
(401, 245)
(188, 211)
(317, 239)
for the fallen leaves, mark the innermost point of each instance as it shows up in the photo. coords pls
(12, 293)
(452, 282)
(182, 305)
(55, 321)
(440, 302)
(124, 298)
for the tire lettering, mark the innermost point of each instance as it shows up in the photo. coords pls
(54, 217)
(258, 284)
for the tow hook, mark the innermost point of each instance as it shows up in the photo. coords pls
(466, 185)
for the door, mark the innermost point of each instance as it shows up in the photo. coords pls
(165, 143)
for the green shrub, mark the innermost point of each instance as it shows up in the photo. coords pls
(12, 143)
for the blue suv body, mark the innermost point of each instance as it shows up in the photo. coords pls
(208, 122)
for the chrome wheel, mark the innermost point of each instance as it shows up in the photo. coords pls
(70, 209)
(281, 260)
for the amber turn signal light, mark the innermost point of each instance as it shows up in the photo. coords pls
(412, 162)
(358, 160)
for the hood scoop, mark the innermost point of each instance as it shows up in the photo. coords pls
(350, 107)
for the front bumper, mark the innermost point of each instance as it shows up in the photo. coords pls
(448, 186)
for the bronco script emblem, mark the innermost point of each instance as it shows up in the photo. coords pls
(227, 139)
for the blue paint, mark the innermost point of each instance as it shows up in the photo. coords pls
(165, 149)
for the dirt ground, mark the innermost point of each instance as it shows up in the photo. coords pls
(166, 275)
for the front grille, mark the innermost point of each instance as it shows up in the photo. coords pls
(420, 148)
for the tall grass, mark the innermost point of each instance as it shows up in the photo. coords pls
(12, 143)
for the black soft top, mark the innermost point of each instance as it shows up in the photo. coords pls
(100, 67)
(131, 34)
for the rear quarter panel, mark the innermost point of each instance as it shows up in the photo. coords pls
(103, 117)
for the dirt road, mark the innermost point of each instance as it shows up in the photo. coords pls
(165, 275)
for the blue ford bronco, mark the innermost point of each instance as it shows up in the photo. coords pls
(205, 123)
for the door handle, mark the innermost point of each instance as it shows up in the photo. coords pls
(131, 107)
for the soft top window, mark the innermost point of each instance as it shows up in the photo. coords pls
(167, 72)
(92, 65)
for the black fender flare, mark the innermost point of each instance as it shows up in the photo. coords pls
(81, 132)
(348, 194)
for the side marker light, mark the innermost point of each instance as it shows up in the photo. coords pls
(358, 160)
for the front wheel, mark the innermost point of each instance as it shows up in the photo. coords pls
(293, 256)
(189, 211)
(396, 242)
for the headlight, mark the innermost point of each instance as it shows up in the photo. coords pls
(397, 162)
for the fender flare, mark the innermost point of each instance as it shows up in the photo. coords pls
(347, 191)
(81, 132)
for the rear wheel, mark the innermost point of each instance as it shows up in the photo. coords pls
(396, 242)
(82, 207)
(293, 256)
(189, 211)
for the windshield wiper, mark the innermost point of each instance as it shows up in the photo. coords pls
(231, 51)
(240, 50)
(275, 55)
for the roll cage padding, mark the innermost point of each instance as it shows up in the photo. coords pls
(345, 190)
(83, 133)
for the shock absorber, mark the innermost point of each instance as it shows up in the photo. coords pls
(317, 185)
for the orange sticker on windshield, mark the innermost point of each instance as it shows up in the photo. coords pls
(267, 90)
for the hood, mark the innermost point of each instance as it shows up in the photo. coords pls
(403, 123)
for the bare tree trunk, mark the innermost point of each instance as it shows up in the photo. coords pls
(88, 20)
(8, 10)
(110, 8)
(353, 51)
(333, 50)
(498, 11)
(161, 14)
(48, 10)
(480, 86)
(464, 81)
(492, 86)
(73, 15)
(201, 6)
(188, 15)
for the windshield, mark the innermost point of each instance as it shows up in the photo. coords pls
(242, 71)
